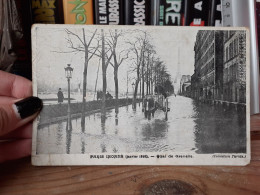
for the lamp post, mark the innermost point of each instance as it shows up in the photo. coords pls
(68, 74)
(127, 85)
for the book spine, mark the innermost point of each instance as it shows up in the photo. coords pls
(196, 12)
(171, 13)
(101, 15)
(215, 13)
(155, 12)
(212, 11)
(47, 11)
(78, 11)
(218, 14)
(115, 12)
(137, 12)
(109, 12)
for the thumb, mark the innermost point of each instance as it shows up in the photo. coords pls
(18, 114)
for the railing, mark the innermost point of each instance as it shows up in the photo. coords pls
(57, 112)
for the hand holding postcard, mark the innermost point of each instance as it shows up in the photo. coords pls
(146, 95)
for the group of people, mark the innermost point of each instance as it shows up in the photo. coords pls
(99, 95)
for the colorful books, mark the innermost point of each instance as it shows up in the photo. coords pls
(47, 11)
(78, 11)
(137, 12)
(170, 13)
(215, 13)
(197, 12)
(109, 12)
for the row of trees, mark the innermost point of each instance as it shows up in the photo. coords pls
(146, 69)
(149, 69)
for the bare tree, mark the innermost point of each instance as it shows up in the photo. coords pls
(138, 48)
(118, 60)
(105, 63)
(83, 45)
(162, 78)
(96, 80)
(143, 75)
(90, 51)
(149, 69)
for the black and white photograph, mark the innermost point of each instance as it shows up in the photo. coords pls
(145, 95)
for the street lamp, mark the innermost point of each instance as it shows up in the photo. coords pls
(68, 75)
(127, 85)
(68, 71)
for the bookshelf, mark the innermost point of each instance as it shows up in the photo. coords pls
(234, 13)
(21, 177)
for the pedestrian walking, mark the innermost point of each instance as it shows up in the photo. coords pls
(60, 96)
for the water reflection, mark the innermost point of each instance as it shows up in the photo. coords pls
(103, 123)
(68, 137)
(157, 129)
(59, 134)
(116, 119)
(191, 126)
(103, 148)
(220, 129)
(83, 149)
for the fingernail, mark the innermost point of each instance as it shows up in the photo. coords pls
(28, 106)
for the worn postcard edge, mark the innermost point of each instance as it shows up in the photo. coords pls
(109, 158)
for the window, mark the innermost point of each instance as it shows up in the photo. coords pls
(235, 47)
(230, 51)
(226, 54)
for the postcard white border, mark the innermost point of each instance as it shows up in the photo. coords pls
(198, 159)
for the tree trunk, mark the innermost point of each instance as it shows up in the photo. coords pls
(148, 75)
(140, 93)
(116, 85)
(142, 77)
(95, 93)
(85, 74)
(103, 107)
(147, 80)
(136, 86)
(84, 97)
(116, 66)
(135, 92)
(143, 80)
(151, 80)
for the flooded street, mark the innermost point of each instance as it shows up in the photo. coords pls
(191, 127)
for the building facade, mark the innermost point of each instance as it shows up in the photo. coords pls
(185, 85)
(184, 80)
(234, 66)
(207, 80)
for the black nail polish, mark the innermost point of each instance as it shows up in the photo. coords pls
(28, 106)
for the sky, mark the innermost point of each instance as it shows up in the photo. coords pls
(51, 54)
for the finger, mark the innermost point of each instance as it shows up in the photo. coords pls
(15, 149)
(16, 115)
(24, 132)
(14, 86)
(6, 100)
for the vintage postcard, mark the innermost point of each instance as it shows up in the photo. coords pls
(141, 95)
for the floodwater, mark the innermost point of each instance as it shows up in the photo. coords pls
(191, 127)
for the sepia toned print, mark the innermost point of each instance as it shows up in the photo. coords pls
(146, 95)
